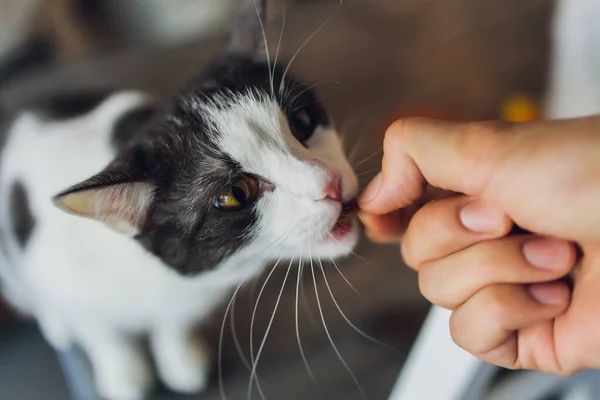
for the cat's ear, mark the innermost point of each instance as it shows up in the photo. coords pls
(118, 200)
(252, 26)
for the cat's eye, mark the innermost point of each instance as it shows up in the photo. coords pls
(302, 125)
(242, 192)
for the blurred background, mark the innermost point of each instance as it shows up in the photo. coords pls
(374, 61)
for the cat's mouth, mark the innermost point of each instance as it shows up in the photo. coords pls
(345, 223)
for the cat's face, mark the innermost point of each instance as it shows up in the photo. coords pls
(230, 165)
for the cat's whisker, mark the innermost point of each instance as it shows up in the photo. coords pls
(347, 281)
(356, 329)
(344, 132)
(299, 279)
(354, 151)
(253, 376)
(236, 340)
(344, 363)
(220, 349)
(304, 300)
(370, 156)
(256, 308)
(280, 239)
(309, 39)
(353, 253)
(361, 258)
(301, 106)
(264, 35)
(289, 92)
(278, 49)
(352, 121)
(366, 177)
(306, 90)
(362, 174)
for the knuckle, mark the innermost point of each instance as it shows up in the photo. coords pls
(407, 253)
(496, 305)
(418, 237)
(427, 284)
(394, 134)
(458, 333)
(464, 333)
(481, 145)
(400, 131)
(433, 289)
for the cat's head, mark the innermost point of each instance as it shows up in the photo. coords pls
(243, 160)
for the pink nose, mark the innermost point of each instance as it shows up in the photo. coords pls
(333, 191)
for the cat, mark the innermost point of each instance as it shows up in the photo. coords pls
(124, 217)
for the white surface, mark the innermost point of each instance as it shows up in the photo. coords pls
(436, 368)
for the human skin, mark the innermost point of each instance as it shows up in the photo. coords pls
(450, 194)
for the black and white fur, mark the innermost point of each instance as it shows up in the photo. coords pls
(147, 253)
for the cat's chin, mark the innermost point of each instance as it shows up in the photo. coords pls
(341, 240)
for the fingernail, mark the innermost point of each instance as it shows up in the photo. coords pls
(372, 189)
(547, 253)
(478, 217)
(545, 294)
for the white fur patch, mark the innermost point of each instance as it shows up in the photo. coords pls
(253, 131)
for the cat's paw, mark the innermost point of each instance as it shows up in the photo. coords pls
(54, 331)
(112, 391)
(132, 383)
(186, 379)
(184, 366)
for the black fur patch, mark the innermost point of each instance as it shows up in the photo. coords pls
(240, 75)
(23, 221)
(69, 105)
(129, 124)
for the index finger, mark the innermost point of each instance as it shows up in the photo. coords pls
(418, 151)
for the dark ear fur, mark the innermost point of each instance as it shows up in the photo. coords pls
(120, 196)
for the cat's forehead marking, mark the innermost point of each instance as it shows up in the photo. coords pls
(251, 129)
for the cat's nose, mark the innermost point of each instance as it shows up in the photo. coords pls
(333, 190)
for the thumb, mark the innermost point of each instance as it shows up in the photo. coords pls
(446, 155)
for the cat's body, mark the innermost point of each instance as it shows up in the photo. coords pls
(75, 275)
(181, 202)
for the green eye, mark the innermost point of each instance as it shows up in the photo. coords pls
(241, 193)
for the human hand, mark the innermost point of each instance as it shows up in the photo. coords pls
(509, 306)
